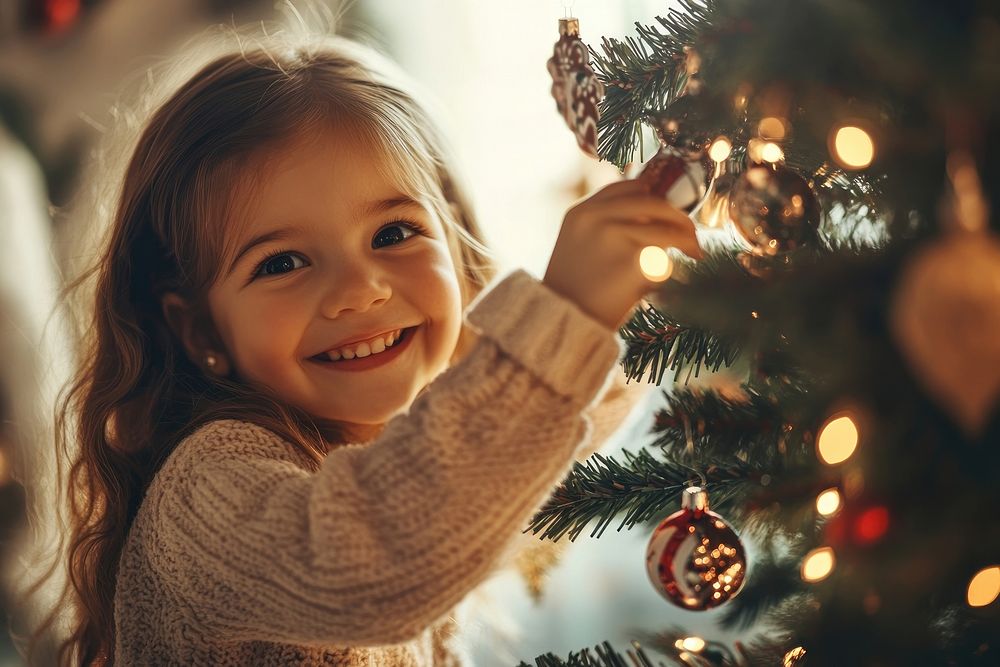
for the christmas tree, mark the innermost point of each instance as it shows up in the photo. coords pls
(842, 152)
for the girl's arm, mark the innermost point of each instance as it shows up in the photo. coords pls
(387, 537)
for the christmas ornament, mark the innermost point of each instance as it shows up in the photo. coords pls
(774, 209)
(575, 86)
(794, 657)
(946, 319)
(680, 177)
(535, 562)
(694, 559)
(946, 309)
(682, 170)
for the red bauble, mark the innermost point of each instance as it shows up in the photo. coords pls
(680, 177)
(695, 559)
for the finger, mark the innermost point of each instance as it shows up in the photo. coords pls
(638, 209)
(628, 186)
(664, 236)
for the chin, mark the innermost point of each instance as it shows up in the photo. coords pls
(369, 417)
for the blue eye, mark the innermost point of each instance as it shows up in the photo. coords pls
(395, 233)
(277, 263)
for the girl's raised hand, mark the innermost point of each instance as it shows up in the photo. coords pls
(595, 262)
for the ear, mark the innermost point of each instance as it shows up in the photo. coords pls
(195, 333)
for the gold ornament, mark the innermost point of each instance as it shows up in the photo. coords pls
(946, 319)
(535, 562)
(946, 310)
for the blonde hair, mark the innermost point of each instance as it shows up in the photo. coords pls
(136, 395)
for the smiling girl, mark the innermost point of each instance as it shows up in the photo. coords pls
(310, 420)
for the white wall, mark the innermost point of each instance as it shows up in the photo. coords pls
(486, 62)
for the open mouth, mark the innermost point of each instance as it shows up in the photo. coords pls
(371, 359)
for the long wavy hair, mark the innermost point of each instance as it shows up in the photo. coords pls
(135, 394)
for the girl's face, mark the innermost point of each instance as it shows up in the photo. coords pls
(330, 257)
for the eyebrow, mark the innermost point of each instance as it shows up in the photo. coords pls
(370, 209)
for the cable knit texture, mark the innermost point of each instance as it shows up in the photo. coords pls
(239, 555)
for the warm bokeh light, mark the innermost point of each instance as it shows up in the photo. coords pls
(720, 149)
(771, 128)
(655, 263)
(853, 147)
(61, 13)
(837, 440)
(828, 502)
(771, 152)
(984, 587)
(755, 149)
(970, 205)
(818, 564)
(4, 468)
(693, 644)
(871, 524)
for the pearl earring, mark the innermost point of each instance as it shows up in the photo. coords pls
(211, 360)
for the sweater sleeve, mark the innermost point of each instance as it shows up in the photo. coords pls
(387, 537)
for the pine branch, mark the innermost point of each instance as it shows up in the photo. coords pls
(606, 657)
(642, 488)
(643, 73)
(655, 343)
(835, 273)
(693, 414)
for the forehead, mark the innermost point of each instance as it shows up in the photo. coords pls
(318, 171)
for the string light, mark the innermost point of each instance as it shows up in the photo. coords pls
(771, 152)
(871, 524)
(655, 263)
(984, 587)
(837, 440)
(742, 97)
(61, 13)
(692, 644)
(828, 502)
(818, 564)
(755, 149)
(971, 206)
(853, 148)
(720, 149)
(771, 128)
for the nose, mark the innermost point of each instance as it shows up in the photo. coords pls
(354, 286)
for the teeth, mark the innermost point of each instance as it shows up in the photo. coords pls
(366, 348)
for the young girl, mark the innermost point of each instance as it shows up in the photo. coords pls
(306, 431)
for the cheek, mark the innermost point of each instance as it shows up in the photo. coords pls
(445, 296)
(263, 335)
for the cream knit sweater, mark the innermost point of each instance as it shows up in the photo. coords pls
(241, 556)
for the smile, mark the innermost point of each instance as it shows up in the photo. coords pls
(366, 355)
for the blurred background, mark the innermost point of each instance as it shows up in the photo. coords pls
(63, 65)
